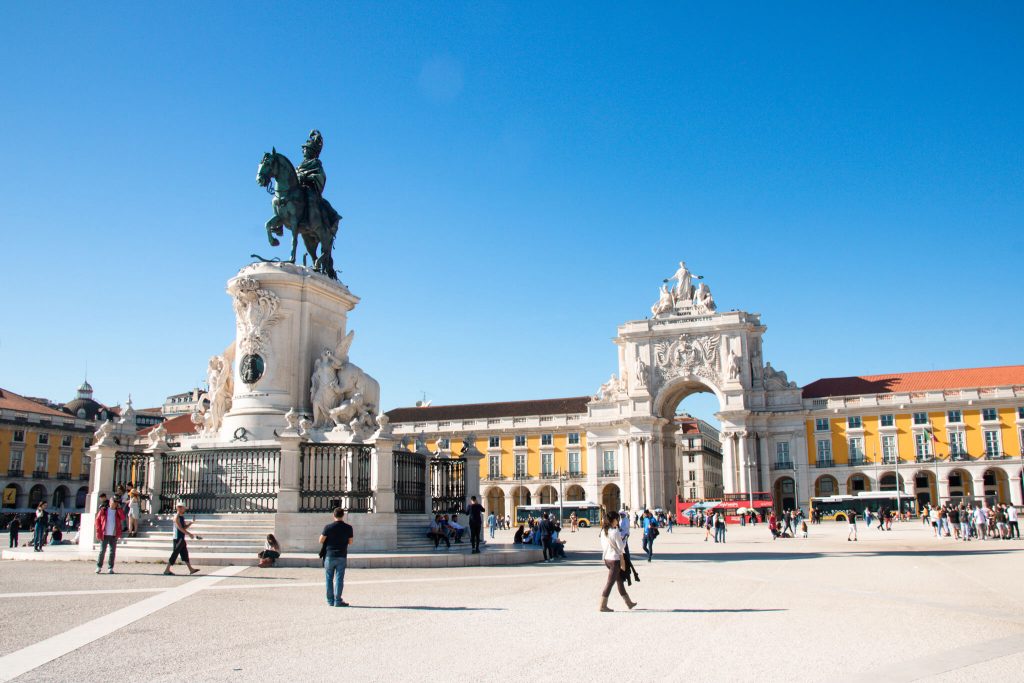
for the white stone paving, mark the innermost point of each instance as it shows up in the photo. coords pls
(894, 606)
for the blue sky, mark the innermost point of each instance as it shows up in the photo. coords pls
(516, 179)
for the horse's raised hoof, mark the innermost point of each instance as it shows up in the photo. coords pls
(278, 230)
(274, 242)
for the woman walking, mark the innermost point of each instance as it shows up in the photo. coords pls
(612, 554)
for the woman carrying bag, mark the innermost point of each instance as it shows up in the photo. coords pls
(612, 549)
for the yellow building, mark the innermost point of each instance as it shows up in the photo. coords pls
(534, 449)
(42, 455)
(940, 435)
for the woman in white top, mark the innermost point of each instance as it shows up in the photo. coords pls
(612, 549)
(134, 511)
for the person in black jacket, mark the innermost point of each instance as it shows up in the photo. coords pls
(13, 528)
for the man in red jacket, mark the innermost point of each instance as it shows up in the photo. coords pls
(109, 521)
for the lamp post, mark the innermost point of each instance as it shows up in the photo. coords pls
(560, 476)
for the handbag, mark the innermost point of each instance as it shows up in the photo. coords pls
(622, 564)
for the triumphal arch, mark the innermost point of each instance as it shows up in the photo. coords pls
(688, 346)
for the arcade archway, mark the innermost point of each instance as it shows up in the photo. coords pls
(611, 498)
(857, 483)
(547, 495)
(784, 494)
(961, 485)
(36, 495)
(997, 486)
(520, 496)
(575, 493)
(495, 501)
(924, 488)
(826, 485)
(889, 481)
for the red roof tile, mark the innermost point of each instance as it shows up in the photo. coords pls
(180, 424)
(12, 401)
(966, 378)
(575, 405)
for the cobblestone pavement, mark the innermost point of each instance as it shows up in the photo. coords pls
(894, 606)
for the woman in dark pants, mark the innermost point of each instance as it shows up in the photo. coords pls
(612, 549)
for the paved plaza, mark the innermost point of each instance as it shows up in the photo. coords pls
(895, 606)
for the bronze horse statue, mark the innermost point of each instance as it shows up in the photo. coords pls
(291, 210)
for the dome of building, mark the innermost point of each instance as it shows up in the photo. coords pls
(85, 390)
(84, 407)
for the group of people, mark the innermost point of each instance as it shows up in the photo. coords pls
(114, 519)
(544, 532)
(788, 524)
(963, 523)
(48, 528)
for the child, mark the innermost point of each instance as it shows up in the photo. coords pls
(803, 528)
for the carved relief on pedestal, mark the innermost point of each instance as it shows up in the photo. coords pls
(610, 389)
(342, 394)
(255, 313)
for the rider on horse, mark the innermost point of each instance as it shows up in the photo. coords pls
(313, 178)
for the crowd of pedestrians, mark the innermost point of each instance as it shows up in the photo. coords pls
(962, 522)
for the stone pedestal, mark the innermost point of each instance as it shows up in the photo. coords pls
(285, 315)
(101, 480)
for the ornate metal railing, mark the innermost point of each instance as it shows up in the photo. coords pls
(410, 472)
(221, 480)
(448, 485)
(335, 475)
(132, 468)
(782, 465)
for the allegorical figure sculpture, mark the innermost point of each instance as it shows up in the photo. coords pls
(702, 299)
(684, 289)
(299, 204)
(342, 394)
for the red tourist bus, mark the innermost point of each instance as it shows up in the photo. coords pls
(730, 506)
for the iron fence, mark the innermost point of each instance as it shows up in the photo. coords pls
(221, 480)
(335, 475)
(132, 469)
(410, 482)
(448, 485)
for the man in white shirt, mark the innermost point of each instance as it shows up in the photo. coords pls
(108, 530)
(980, 522)
(1011, 518)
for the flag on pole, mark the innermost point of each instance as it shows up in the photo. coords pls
(931, 434)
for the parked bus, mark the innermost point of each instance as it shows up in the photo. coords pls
(836, 508)
(586, 513)
(730, 505)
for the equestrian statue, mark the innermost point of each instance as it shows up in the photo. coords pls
(299, 204)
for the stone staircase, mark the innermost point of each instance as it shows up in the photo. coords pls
(412, 535)
(227, 533)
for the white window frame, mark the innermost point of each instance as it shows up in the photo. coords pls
(823, 450)
(64, 466)
(547, 439)
(818, 424)
(520, 441)
(522, 470)
(782, 454)
(18, 436)
(86, 464)
(17, 459)
(990, 420)
(957, 442)
(890, 448)
(547, 464)
(916, 421)
(922, 444)
(574, 438)
(609, 457)
(494, 442)
(575, 463)
(850, 422)
(43, 439)
(65, 441)
(444, 444)
(856, 449)
(494, 466)
(882, 418)
(997, 441)
(955, 416)
(42, 461)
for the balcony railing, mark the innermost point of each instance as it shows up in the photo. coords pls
(858, 461)
(608, 473)
(925, 458)
(786, 465)
(40, 474)
(495, 477)
(63, 475)
(521, 476)
(996, 456)
(888, 459)
(960, 457)
(825, 463)
(84, 476)
(15, 472)
(575, 475)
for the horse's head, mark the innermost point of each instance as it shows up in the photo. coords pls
(267, 168)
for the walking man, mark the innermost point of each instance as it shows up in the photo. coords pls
(476, 523)
(13, 529)
(492, 523)
(546, 529)
(852, 516)
(108, 530)
(1011, 520)
(650, 525)
(180, 546)
(336, 538)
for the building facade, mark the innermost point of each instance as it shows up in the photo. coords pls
(42, 455)
(698, 460)
(936, 435)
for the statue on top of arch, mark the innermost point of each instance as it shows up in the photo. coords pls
(683, 295)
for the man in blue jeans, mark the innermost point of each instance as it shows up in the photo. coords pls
(335, 539)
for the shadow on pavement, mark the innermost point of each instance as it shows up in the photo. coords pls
(710, 611)
(431, 608)
(588, 557)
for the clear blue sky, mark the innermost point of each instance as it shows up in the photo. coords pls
(516, 179)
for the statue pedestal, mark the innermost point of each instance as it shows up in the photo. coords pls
(285, 315)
